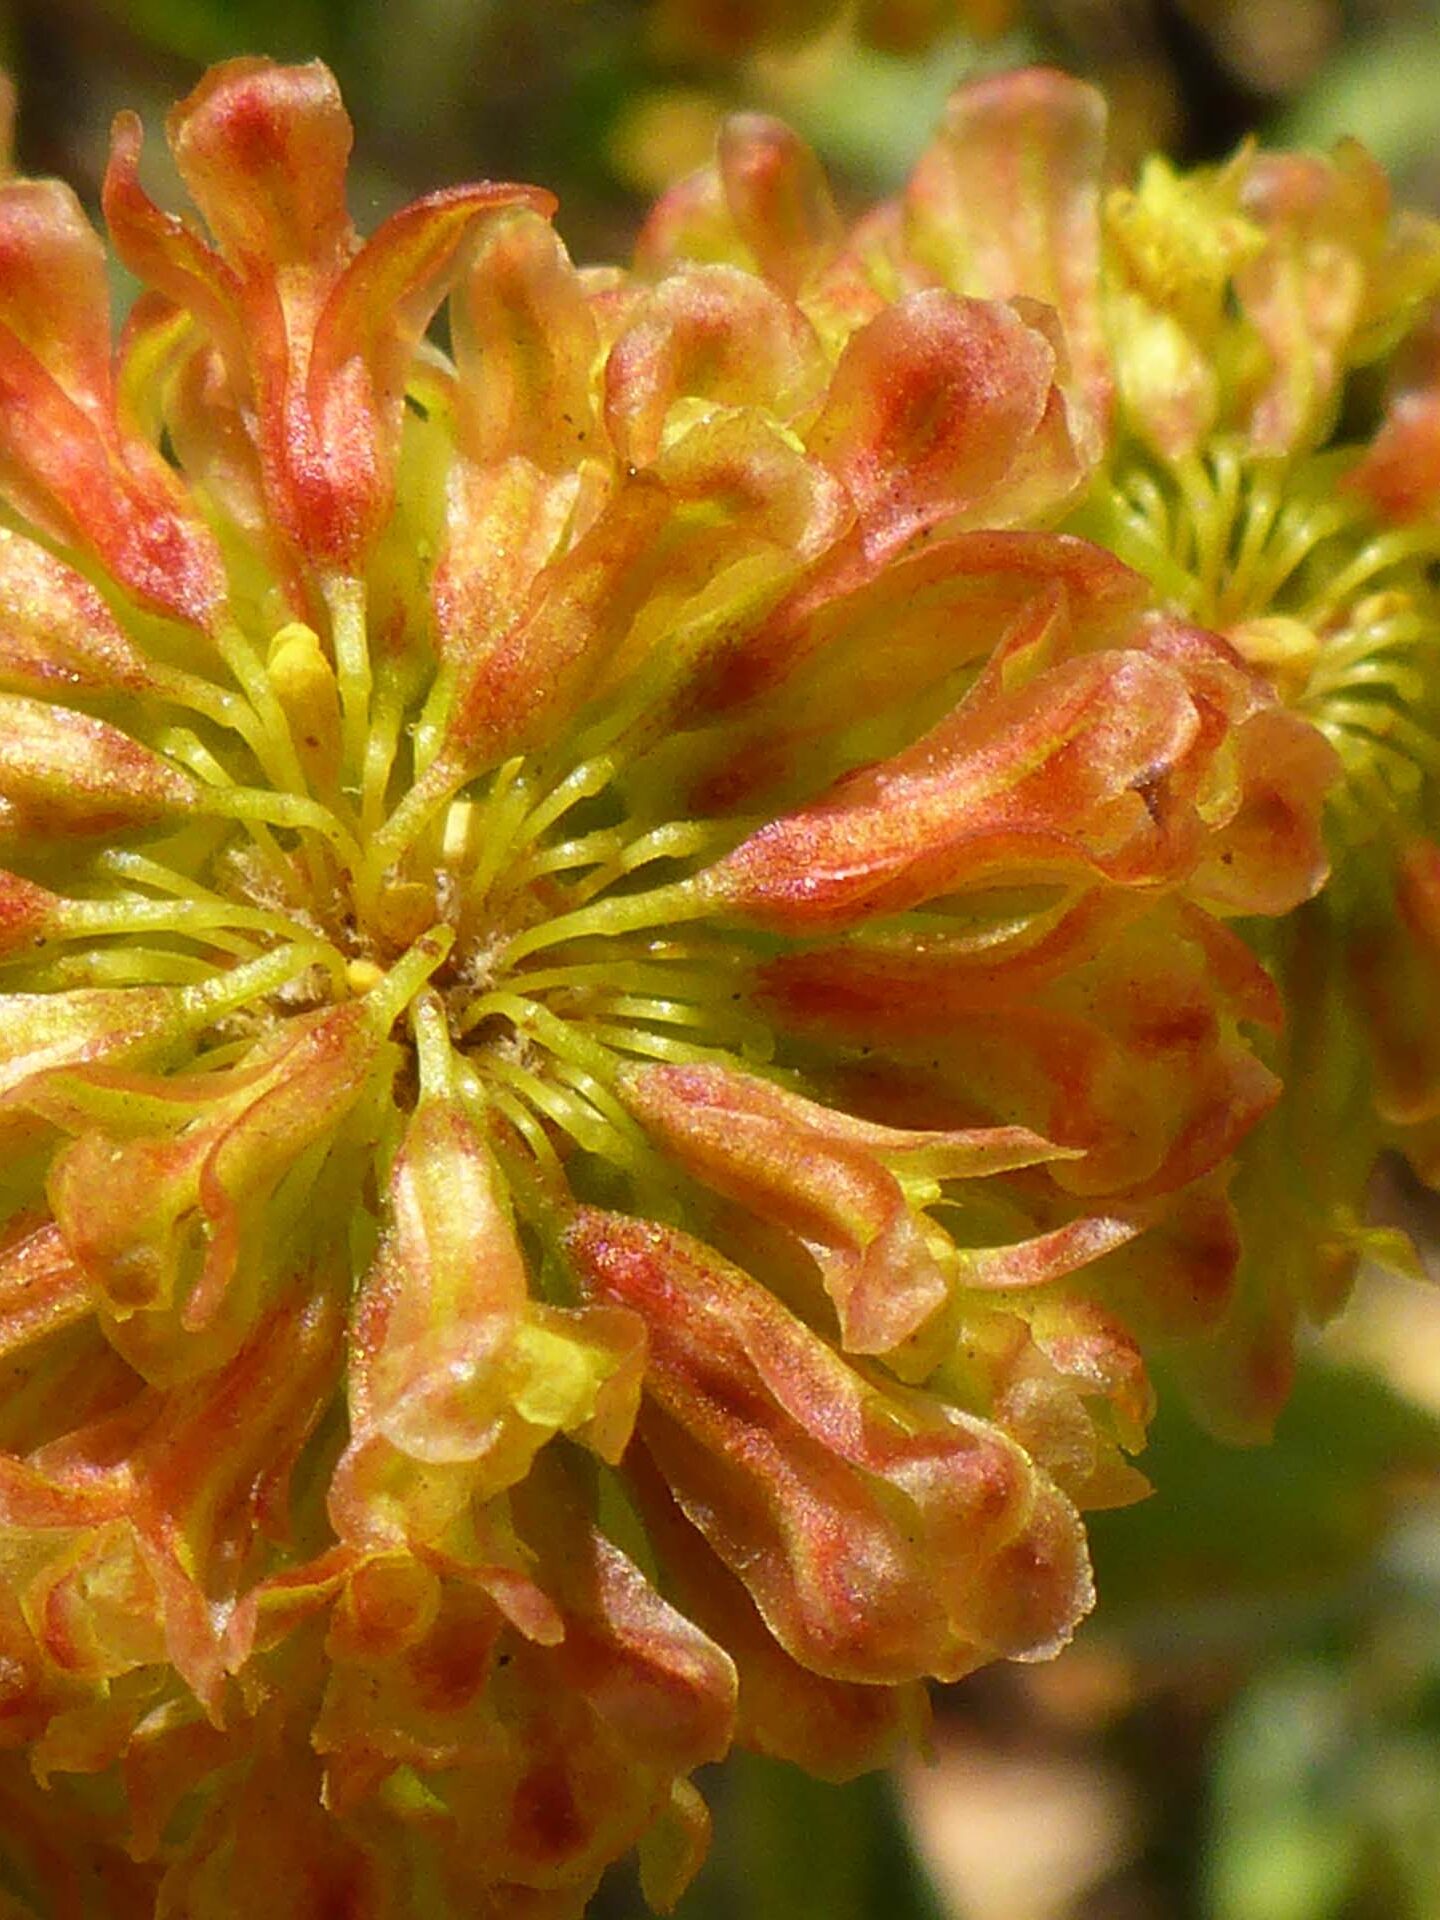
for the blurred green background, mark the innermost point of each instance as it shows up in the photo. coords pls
(604, 100)
(1251, 1728)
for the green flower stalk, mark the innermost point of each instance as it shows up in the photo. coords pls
(645, 963)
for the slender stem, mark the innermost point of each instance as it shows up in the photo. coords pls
(252, 805)
(626, 913)
(388, 999)
(381, 745)
(433, 1052)
(583, 783)
(222, 993)
(498, 816)
(436, 786)
(676, 840)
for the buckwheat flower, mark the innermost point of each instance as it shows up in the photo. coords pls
(620, 1022)
(1224, 330)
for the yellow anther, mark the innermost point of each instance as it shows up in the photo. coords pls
(459, 821)
(1282, 648)
(361, 976)
(304, 683)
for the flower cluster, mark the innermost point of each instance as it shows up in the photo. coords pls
(644, 962)
(1253, 347)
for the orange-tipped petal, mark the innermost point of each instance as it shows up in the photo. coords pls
(263, 151)
(317, 332)
(55, 300)
(936, 410)
(64, 460)
(828, 1179)
(459, 1378)
(816, 1487)
(1071, 1037)
(42, 1290)
(341, 486)
(1400, 469)
(1334, 275)
(525, 341)
(835, 1729)
(778, 198)
(41, 1033)
(710, 335)
(64, 773)
(1082, 773)
(56, 633)
(1007, 201)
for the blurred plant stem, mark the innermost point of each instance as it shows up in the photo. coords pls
(791, 1848)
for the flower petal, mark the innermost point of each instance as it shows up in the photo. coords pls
(525, 341)
(1067, 777)
(455, 1368)
(935, 410)
(711, 335)
(64, 773)
(1142, 1021)
(778, 197)
(263, 151)
(1331, 270)
(1007, 200)
(835, 1729)
(828, 1180)
(817, 1488)
(56, 633)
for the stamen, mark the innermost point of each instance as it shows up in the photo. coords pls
(219, 705)
(545, 1188)
(137, 914)
(345, 599)
(573, 1116)
(389, 999)
(120, 967)
(1376, 556)
(274, 748)
(439, 784)
(381, 746)
(658, 1046)
(579, 1061)
(564, 856)
(494, 827)
(255, 805)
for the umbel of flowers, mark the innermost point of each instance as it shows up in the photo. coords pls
(645, 964)
(1253, 349)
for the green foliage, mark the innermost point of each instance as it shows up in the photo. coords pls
(206, 30)
(1247, 1545)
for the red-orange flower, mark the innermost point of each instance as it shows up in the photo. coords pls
(1216, 328)
(621, 1026)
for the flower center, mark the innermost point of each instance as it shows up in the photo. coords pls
(534, 918)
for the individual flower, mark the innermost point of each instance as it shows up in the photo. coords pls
(621, 1022)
